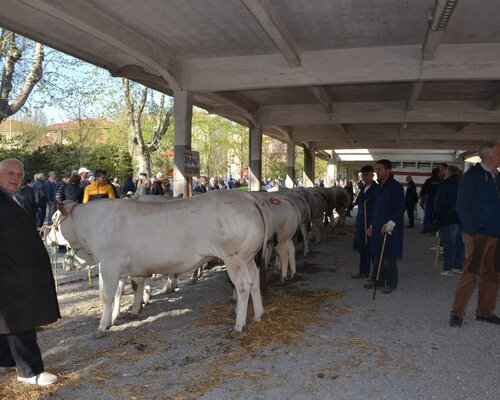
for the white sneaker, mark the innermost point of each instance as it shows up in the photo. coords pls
(447, 273)
(456, 271)
(43, 379)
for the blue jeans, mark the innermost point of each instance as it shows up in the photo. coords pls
(453, 247)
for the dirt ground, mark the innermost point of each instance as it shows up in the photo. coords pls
(322, 337)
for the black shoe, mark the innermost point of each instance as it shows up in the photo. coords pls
(455, 322)
(492, 319)
(389, 290)
(359, 276)
(371, 285)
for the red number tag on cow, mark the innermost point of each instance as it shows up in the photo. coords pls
(274, 201)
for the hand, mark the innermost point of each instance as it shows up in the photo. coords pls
(369, 231)
(388, 227)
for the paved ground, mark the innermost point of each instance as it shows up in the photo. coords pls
(323, 337)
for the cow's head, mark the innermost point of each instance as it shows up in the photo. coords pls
(55, 235)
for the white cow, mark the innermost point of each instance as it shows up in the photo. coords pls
(288, 219)
(305, 215)
(139, 239)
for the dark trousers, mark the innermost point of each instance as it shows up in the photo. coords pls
(388, 272)
(410, 210)
(364, 262)
(21, 350)
(41, 213)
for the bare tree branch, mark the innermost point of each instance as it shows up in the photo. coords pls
(12, 54)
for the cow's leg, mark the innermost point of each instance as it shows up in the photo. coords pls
(258, 309)
(146, 298)
(197, 274)
(305, 237)
(116, 303)
(171, 284)
(242, 285)
(283, 256)
(109, 288)
(138, 286)
(291, 257)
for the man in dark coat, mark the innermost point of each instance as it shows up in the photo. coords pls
(40, 198)
(29, 202)
(427, 197)
(478, 208)
(445, 218)
(366, 203)
(411, 198)
(387, 220)
(27, 290)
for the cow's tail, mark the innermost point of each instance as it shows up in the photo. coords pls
(260, 258)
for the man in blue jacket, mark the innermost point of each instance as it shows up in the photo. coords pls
(387, 220)
(478, 207)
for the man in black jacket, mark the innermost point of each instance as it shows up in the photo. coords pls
(411, 198)
(40, 199)
(27, 291)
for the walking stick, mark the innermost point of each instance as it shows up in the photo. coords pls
(379, 266)
(438, 250)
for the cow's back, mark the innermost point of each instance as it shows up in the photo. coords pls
(174, 236)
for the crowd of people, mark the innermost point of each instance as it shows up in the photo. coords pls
(463, 208)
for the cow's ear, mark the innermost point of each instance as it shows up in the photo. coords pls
(66, 206)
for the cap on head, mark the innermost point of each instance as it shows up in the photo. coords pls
(82, 170)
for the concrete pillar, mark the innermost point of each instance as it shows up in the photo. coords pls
(290, 165)
(183, 111)
(255, 173)
(331, 170)
(308, 180)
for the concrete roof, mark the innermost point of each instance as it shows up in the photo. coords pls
(390, 74)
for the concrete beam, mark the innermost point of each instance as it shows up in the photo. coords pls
(415, 90)
(342, 66)
(328, 134)
(379, 112)
(443, 9)
(271, 23)
(466, 127)
(495, 103)
(323, 97)
(240, 102)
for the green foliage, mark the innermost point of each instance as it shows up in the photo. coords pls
(117, 163)
(64, 158)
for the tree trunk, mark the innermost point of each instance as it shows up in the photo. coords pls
(11, 54)
(142, 150)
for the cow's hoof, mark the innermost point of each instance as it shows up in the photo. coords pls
(99, 335)
(234, 334)
(192, 281)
